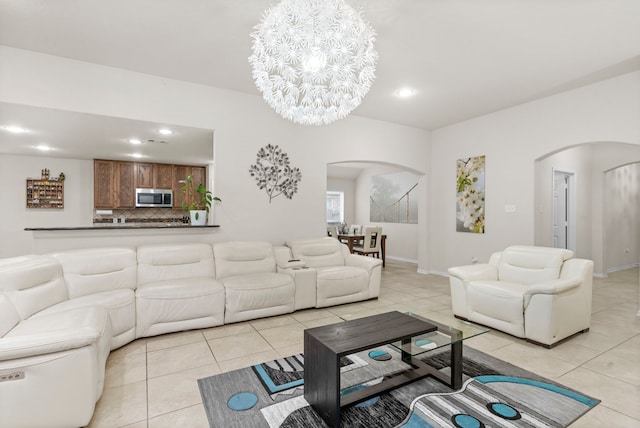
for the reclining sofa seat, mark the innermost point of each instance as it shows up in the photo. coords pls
(341, 277)
(47, 351)
(103, 277)
(537, 293)
(253, 288)
(177, 289)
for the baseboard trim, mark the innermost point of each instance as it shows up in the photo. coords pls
(625, 267)
(401, 259)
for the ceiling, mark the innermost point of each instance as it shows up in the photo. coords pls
(75, 135)
(464, 58)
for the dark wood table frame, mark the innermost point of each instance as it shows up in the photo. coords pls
(350, 240)
(324, 346)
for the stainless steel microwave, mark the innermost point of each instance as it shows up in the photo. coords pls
(158, 198)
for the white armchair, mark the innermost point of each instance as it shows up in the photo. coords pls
(537, 293)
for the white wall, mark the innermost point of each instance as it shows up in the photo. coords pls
(402, 239)
(242, 124)
(78, 199)
(346, 186)
(512, 140)
(621, 217)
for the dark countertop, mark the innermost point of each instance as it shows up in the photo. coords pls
(124, 226)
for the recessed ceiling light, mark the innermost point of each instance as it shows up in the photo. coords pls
(405, 92)
(136, 155)
(165, 131)
(43, 147)
(135, 141)
(14, 129)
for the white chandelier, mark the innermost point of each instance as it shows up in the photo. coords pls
(313, 60)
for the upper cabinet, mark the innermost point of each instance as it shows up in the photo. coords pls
(103, 184)
(115, 182)
(154, 175)
(180, 174)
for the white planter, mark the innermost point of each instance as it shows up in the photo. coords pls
(198, 217)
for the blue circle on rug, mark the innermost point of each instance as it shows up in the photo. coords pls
(379, 355)
(503, 410)
(242, 401)
(466, 421)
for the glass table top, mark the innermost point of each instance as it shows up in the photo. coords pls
(444, 335)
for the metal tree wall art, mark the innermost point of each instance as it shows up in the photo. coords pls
(274, 174)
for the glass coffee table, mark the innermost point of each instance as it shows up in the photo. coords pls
(410, 334)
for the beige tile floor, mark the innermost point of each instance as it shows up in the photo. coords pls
(152, 382)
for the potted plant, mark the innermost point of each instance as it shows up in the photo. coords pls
(200, 203)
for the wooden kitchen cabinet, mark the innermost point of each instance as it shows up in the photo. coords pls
(163, 176)
(125, 185)
(154, 175)
(144, 175)
(103, 184)
(113, 184)
(180, 174)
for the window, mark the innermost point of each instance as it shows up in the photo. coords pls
(335, 207)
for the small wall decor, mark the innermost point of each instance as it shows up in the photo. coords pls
(470, 194)
(394, 198)
(274, 174)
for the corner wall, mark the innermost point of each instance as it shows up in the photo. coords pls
(242, 123)
(512, 140)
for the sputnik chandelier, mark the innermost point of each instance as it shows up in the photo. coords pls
(313, 60)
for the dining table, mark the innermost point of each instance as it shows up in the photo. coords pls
(350, 239)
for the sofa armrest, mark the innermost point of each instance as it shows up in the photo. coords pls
(551, 287)
(480, 271)
(364, 262)
(56, 332)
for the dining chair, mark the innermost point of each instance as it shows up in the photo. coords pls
(356, 229)
(332, 232)
(371, 242)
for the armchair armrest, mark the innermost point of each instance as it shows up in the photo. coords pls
(551, 287)
(482, 271)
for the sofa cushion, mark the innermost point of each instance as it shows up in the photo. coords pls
(530, 265)
(179, 261)
(501, 300)
(32, 283)
(247, 257)
(318, 253)
(258, 295)
(9, 317)
(55, 332)
(120, 305)
(96, 270)
(341, 284)
(178, 304)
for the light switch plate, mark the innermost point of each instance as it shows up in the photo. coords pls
(509, 208)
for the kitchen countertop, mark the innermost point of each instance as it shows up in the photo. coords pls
(123, 226)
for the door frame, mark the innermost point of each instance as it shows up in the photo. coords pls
(570, 206)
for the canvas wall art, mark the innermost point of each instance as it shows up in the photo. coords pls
(470, 194)
(394, 198)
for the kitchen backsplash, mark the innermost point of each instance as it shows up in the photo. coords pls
(141, 215)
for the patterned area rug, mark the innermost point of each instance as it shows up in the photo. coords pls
(494, 394)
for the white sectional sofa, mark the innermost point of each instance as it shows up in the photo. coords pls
(62, 313)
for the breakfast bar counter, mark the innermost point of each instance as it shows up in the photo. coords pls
(53, 239)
